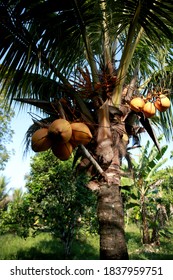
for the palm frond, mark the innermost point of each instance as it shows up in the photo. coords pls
(40, 51)
(166, 123)
(47, 106)
(146, 124)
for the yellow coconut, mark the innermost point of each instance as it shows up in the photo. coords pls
(62, 150)
(40, 140)
(81, 134)
(137, 104)
(60, 130)
(149, 109)
(162, 103)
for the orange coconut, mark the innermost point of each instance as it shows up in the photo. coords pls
(149, 109)
(40, 140)
(60, 130)
(81, 134)
(62, 150)
(162, 103)
(137, 104)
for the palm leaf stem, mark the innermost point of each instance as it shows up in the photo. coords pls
(88, 48)
(145, 83)
(133, 82)
(127, 55)
(106, 39)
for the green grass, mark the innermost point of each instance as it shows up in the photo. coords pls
(44, 246)
(138, 251)
(39, 247)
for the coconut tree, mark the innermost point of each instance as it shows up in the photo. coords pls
(4, 198)
(17, 196)
(83, 61)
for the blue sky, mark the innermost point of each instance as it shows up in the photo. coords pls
(18, 165)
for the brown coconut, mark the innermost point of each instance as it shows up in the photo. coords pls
(162, 103)
(81, 134)
(149, 109)
(137, 104)
(62, 150)
(40, 140)
(60, 130)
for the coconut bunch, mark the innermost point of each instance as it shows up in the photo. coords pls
(61, 137)
(148, 105)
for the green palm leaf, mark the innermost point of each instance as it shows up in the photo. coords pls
(34, 43)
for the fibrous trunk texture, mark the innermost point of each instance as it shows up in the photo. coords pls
(110, 209)
(145, 229)
(111, 224)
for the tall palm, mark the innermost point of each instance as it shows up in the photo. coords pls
(17, 196)
(83, 60)
(4, 198)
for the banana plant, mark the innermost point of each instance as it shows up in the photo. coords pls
(145, 182)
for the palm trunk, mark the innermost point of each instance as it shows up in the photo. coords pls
(111, 215)
(159, 223)
(111, 223)
(145, 229)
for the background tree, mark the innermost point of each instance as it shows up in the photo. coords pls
(59, 199)
(5, 137)
(56, 201)
(17, 196)
(5, 132)
(168, 184)
(146, 187)
(166, 192)
(4, 198)
(84, 61)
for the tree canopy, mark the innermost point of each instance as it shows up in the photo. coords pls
(5, 133)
